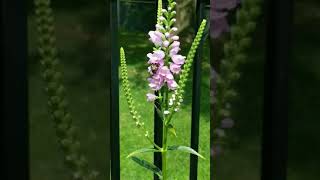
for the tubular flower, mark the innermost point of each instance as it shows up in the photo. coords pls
(165, 62)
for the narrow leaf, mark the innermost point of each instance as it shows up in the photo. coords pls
(143, 150)
(172, 130)
(159, 112)
(147, 165)
(185, 149)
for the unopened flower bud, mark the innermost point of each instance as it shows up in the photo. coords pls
(175, 38)
(158, 26)
(175, 29)
(166, 43)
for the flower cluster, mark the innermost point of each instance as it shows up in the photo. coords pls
(165, 62)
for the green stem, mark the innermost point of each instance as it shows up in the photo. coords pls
(164, 152)
(164, 139)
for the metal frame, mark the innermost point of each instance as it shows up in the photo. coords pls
(279, 16)
(15, 92)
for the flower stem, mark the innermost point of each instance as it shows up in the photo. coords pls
(164, 153)
(164, 139)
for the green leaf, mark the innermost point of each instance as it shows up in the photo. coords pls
(159, 112)
(147, 165)
(172, 130)
(143, 150)
(185, 149)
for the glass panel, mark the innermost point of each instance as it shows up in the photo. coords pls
(238, 120)
(304, 84)
(80, 36)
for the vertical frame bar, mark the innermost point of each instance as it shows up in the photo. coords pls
(214, 69)
(275, 124)
(109, 94)
(158, 131)
(14, 72)
(196, 97)
(115, 140)
(158, 124)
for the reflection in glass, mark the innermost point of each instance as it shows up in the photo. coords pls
(81, 43)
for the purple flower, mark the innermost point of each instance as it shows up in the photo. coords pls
(178, 59)
(175, 44)
(165, 73)
(172, 84)
(156, 82)
(175, 68)
(156, 37)
(151, 97)
(156, 57)
(174, 51)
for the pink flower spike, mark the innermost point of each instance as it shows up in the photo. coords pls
(164, 70)
(175, 68)
(156, 57)
(155, 84)
(151, 97)
(175, 44)
(166, 43)
(174, 51)
(169, 76)
(159, 54)
(172, 84)
(178, 59)
(150, 70)
(156, 37)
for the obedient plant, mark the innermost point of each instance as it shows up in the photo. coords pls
(168, 73)
(55, 90)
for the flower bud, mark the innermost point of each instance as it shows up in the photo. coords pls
(175, 38)
(166, 43)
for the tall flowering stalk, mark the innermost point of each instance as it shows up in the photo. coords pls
(168, 72)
